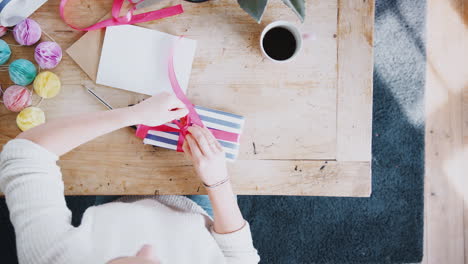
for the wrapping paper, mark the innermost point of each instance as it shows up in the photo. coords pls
(213, 119)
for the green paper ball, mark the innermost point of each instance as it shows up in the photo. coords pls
(5, 52)
(22, 72)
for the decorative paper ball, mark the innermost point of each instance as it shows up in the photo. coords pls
(5, 52)
(29, 118)
(48, 54)
(47, 84)
(22, 72)
(3, 31)
(16, 98)
(27, 32)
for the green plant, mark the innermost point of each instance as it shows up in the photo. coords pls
(256, 8)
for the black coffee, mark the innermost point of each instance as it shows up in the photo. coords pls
(279, 43)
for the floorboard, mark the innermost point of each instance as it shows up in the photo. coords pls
(446, 145)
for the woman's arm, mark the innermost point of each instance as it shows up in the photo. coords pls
(32, 181)
(33, 188)
(62, 135)
(230, 229)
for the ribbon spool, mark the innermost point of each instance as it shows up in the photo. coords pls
(27, 32)
(129, 18)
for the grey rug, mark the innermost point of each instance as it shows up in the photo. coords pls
(386, 228)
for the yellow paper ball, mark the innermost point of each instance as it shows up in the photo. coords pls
(29, 118)
(47, 84)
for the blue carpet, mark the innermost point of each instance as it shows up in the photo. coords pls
(385, 228)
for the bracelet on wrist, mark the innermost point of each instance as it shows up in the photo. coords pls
(211, 186)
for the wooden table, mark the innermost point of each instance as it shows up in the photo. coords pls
(308, 122)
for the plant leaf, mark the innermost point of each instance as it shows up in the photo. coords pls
(254, 8)
(298, 6)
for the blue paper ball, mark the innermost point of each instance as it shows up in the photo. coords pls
(5, 52)
(22, 72)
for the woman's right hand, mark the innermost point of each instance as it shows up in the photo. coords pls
(206, 154)
(157, 110)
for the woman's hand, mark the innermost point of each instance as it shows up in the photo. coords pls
(206, 154)
(157, 110)
(210, 163)
(64, 134)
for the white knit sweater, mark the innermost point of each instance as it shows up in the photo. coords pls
(177, 228)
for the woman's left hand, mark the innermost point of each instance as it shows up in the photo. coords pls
(206, 154)
(157, 110)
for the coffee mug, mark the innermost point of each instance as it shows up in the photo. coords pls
(280, 41)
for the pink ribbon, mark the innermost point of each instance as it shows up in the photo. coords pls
(129, 18)
(142, 131)
(185, 122)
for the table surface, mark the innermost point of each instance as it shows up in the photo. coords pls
(308, 122)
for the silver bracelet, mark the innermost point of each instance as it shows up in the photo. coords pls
(216, 184)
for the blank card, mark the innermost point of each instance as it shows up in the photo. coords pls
(136, 59)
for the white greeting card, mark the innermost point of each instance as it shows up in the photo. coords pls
(136, 59)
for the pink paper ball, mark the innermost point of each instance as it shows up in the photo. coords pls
(48, 54)
(3, 31)
(27, 32)
(16, 98)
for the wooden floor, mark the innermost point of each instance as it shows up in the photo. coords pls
(446, 194)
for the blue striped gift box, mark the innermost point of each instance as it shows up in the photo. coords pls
(213, 119)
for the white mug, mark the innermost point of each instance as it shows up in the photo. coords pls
(292, 29)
